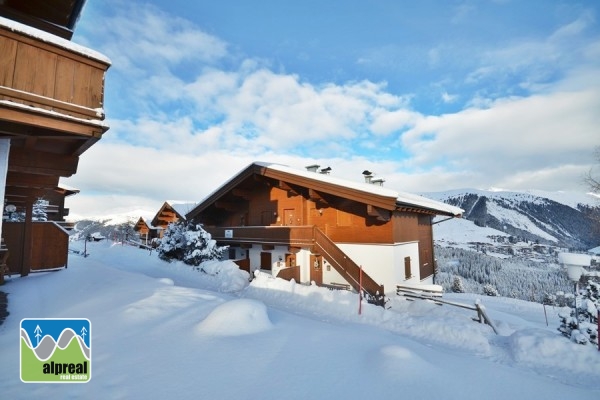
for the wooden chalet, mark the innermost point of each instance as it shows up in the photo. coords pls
(167, 214)
(312, 227)
(51, 112)
(145, 231)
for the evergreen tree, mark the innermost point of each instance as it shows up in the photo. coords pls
(490, 290)
(39, 210)
(457, 285)
(580, 322)
(173, 243)
(188, 243)
(549, 299)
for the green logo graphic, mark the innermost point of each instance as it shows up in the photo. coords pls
(56, 350)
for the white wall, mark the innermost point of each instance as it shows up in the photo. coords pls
(302, 259)
(330, 275)
(385, 263)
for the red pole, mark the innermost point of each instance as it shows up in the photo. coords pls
(360, 291)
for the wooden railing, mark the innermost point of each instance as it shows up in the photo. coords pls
(49, 249)
(275, 235)
(349, 270)
(47, 76)
(435, 296)
(304, 236)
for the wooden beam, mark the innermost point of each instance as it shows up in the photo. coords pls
(380, 214)
(21, 179)
(18, 194)
(315, 196)
(51, 121)
(294, 249)
(42, 163)
(226, 205)
(243, 193)
(292, 191)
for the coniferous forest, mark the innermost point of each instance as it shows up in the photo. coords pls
(511, 277)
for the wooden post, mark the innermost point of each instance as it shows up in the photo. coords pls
(27, 237)
(360, 291)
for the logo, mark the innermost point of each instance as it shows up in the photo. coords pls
(56, 350)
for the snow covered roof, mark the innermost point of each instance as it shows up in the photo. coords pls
(53, 39)
(402, 198)
(392, 198)
(182, 208)
(147, 222)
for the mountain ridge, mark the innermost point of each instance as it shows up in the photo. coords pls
(562, 219)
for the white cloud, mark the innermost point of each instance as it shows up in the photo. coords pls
(181, 134)
(154, 37)
(449, 98)
(513, 137)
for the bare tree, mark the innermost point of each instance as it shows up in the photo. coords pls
(591, 179)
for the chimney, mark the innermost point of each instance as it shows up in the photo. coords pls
(312, 168)
(368, 175)
(378, 182)
(325, 171)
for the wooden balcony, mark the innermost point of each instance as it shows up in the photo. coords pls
(51, 107)
(43, 80)
(275, 235)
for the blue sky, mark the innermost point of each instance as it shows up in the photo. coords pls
(430, 96)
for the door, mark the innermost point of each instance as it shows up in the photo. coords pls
(266, 261)
(289, 216)
(316, 269)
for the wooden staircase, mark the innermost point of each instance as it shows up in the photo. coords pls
(349, 270)
(306, 236)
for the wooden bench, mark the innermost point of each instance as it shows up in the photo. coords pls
(337, 286)
(424, 291)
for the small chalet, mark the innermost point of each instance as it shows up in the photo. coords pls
(145, 231)
(309, 226)
(170, 213)
(167, 214)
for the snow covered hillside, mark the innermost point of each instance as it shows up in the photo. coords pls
(165, 330)
(562, 219)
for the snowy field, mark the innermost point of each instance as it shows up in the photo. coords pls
(163, 330)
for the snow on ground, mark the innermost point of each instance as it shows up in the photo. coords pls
(462, 231)
(165, 330)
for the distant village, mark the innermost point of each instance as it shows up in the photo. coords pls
(518, 248)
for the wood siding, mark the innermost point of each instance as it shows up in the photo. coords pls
(426, 263)
(412, 227)
(343, 221)
(43, 75)
(50, 245)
